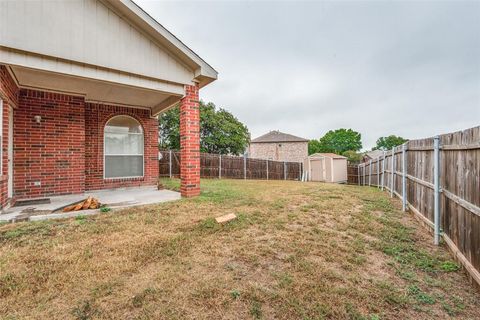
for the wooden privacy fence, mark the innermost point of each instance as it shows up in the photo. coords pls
(232, 167)
(438, 179)
(352, 174)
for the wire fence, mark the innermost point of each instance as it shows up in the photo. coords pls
(232, 167)
(438, 179)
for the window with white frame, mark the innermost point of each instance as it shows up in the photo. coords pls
(123, 148)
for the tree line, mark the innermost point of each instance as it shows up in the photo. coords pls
(348, 143)
(222, 133)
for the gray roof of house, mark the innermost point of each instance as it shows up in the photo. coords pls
(374, 154)
(277, 136)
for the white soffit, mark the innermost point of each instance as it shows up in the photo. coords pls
(93, 90)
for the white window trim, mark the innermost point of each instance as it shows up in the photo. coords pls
(124, 155)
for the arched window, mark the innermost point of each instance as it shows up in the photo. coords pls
(123, 148)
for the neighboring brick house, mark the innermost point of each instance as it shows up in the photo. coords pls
(372, 155)
(279, 146)
(81, 84)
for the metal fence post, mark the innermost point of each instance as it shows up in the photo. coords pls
(364, 173)
(370, 173)
(245, 167)
(219, 166)
(393, 173)
(170, 163)
(383, 170)
(378, 173)
(284, 170)
(404, 177)
(436, 186)
(358, 173)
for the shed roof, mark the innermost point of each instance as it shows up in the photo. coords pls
(327, 155)
(277, 136)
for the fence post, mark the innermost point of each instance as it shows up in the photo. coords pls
(360, 168)
(378, 173)
(245, 167)
(363, 170)
(436, 186)
(300, 173)
(383, 170)
(219, 166)
(358, 173)
(370, 173)
(393, 173)
(284, 170)
(404, 177)
(170, 163)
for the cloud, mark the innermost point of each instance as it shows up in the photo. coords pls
(381, 68)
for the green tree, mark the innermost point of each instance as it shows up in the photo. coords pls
(387, 143)
(314, 146)
(169, 129)
(338, 141)
(220, 131)
(353, 156)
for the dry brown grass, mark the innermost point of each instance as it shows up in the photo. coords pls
(297, 251)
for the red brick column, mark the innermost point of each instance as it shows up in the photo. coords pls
(190, 143)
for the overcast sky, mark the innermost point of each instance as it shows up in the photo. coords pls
(405, 68)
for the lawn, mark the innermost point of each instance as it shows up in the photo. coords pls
(296, 251)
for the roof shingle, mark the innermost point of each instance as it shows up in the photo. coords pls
(277, 136)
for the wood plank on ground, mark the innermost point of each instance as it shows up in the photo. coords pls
(226, 218)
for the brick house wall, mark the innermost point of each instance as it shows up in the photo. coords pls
(279, 151)
(96, 116)
(49, 155)
(9, 95)
(63, 154)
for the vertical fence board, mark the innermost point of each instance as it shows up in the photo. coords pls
(353, 174)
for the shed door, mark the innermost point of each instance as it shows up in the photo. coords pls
(328, 169)
(316, 170)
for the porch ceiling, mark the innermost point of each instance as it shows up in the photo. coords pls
(96, 90)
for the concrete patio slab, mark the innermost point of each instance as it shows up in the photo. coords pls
(115, 198)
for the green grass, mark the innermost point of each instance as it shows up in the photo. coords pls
(25, 230)
(105, 209)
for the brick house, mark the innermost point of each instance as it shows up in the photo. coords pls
(81, 84)
(372, 155)
(279, 146)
